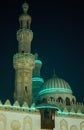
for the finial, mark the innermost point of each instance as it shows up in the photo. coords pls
(36, 56)
(25, 7)
(54, 74)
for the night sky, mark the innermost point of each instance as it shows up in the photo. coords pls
(58, 29)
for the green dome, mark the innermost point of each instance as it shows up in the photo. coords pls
(55, 85)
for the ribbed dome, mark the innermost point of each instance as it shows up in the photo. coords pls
(56, 85)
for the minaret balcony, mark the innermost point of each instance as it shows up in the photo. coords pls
(23, 61)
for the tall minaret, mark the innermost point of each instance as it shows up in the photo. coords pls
(23, 61)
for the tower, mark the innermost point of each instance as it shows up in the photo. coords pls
(23, 61)
(37, 80)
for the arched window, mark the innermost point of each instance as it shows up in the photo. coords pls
(44, 100)
(59, 99)
(52, 99)
(67, 101)
(73, 101)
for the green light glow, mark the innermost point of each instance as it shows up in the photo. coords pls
(34, 108)
(37, 79)
(70, 113)
(38, 61)
(58, 90)
(48, 107)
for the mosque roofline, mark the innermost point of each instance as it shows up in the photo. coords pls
(47, 106)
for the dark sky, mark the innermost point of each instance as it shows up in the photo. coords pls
(58, 29)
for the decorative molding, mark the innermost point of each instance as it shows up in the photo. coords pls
(27, 123)
(73, 127)
(82, 125)
(63, 125)
(15, 125)
(3, 121)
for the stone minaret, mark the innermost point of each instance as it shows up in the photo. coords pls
(23, 61)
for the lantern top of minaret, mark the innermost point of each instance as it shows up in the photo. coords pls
(25, 19)
(25, 7)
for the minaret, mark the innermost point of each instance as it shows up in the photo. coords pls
(23, 61)
(37, 79)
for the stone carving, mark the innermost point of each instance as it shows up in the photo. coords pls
(15, 125)
(63, 125)
(73, 127)
(82, 125)
(27, 123)
(2, 122)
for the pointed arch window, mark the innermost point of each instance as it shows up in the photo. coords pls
(59, 99)
(67, 101)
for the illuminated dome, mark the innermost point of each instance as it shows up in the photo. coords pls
(56, 90)
(56, 85)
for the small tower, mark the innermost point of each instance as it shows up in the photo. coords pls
(37, 80)
(23, 61)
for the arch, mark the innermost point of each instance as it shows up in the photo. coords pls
(51, 99)
(27, 123)
(82, 125)
(2, 122)
(73, 127)
(67, 100)
(59, 99)
(73, 101)
(15, 125)
(63, 125)
(44, 100)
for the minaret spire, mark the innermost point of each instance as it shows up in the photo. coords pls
(23, 61)
(25, 7)
(24, 34)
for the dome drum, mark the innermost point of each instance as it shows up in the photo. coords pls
(58, 98)
(56, 90)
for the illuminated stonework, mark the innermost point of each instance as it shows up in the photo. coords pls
(23, 61)
(39, 104)
(63, 125)
(23, 64)
(15, 117)
(24, 37)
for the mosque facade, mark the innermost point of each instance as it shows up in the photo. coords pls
(38, 104)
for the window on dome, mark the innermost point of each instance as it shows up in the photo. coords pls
(67, 101)
(73, 101)
(59, 99)
(44, 100)
(52, 99)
